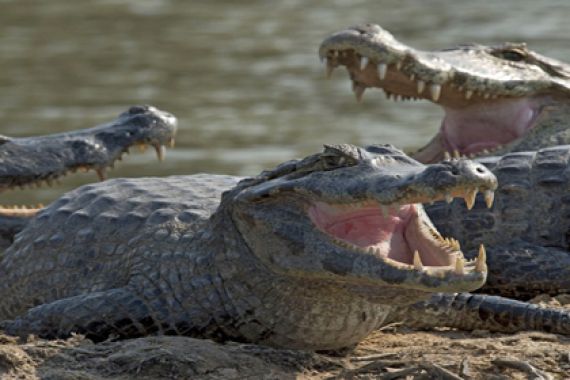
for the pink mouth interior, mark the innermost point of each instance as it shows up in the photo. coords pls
(397, 235)
(487, 125)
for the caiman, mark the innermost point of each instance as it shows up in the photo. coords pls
(314, 254)
(496, 99)
(33, 161)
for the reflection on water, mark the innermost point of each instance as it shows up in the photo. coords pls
(242, 77)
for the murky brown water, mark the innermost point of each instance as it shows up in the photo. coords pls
(242, 77)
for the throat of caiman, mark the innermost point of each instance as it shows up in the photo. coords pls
(402, 234)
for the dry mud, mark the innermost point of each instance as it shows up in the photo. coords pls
(393, 353)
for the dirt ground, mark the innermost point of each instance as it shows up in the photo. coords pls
(393, 353)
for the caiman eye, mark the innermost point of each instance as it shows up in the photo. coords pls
(334, 161)
(511, 55)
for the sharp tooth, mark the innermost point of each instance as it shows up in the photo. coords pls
(459, 265)
(480, 262)
(370, 250)
(377, 251)
(468, 94)
(335, 53)
(448, 198)
(171, 142)
(489, 196)
(417, 260)
(421, 85)
(358, 91)
(412, 77)
(470, 198)
(456, 154)
(398, 65)
(101, 174)
(363, 63)
(435, 91)
(382, 68)
(446, 156)
(160, 151)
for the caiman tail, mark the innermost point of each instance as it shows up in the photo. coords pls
(468, 311)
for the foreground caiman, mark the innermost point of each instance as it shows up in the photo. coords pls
(496, 99)
(314, 254)
(32, 161)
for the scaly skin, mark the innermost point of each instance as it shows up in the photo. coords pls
(498, 99)
(31, 161)
(285, 259)
(526, 230)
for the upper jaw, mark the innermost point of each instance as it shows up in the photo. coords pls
(466, 90)
(454, 77)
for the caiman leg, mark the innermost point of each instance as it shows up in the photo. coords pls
(116, 311)
(468, 311)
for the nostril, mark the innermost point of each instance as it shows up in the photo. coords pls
(480, 169)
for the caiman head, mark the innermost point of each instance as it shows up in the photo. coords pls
(353, 216)
(43, 160)
(33, 161)
(496, 99)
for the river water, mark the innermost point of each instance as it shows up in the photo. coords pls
(243, 77)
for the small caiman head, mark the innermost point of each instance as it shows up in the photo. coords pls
(496, 99)
(33, 161)
(353, 216)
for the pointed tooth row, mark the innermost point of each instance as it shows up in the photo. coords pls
(452, 243)
(471, 195)
(434, 88)
(21, 207)
(101, 171)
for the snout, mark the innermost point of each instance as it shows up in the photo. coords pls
(471, 171)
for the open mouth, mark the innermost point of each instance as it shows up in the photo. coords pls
(53, 178)
(401, 235)
(476, 122)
